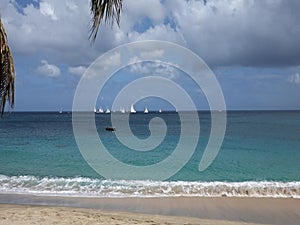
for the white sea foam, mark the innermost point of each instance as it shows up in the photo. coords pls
(88, 187)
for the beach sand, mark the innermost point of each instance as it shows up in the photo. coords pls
(27, 215)
(172, 210)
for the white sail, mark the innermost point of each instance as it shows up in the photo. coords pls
(132, 110)
(122, 110)
(159, 111)
(95, 109)
(107, 110)
(146, 110)
(100, 110)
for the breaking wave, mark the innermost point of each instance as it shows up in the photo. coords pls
(87, 187)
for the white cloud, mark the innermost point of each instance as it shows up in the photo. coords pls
(158, 32)
(158, 53)
(53, 27)
(222, 32)
(46, 69)
(71, 5)
(240, 32)
(294, 78)
(154, 69)
(154, 54)
(77, 70)
(134, 60)
(48, 10)
(111, 60)
(153, 9)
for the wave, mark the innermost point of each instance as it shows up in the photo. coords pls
(87, 187)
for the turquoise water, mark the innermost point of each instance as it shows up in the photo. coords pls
(260, 156)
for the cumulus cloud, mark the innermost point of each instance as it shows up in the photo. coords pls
(153, 9)
(49, 70)
(158, 32)
(57, 28)
(222, 32)
(111, 60)
(240, 32)
(48, 10)
(77, 70)
(154, 69)
(294, 78)
(157, 53)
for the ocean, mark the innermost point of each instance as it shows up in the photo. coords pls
(259, 157)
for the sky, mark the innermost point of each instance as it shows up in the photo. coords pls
(252, 46)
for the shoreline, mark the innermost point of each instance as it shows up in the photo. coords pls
(209, 209)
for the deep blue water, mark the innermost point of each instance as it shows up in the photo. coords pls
(261, 149)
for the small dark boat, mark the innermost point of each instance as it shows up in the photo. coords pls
(110, 128)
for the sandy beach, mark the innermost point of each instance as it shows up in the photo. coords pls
(17, 214)
(173, 210)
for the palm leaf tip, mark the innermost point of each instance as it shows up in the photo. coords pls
(107, 10)
(7, 72)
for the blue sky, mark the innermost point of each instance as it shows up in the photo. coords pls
(252, 47)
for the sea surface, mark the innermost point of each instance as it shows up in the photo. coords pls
(259, 157)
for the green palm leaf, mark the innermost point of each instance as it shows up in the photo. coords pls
(7, 72)
(107, 10)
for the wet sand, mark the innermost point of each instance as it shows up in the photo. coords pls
(170, 210)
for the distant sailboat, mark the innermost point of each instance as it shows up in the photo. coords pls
(146, 110)
(60, 111)
(132, 110)
(107, 111)
(122, 110)
(159, 111)
(95, 110)
(100, 110)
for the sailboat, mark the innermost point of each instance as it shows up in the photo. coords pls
(100, 110)
(146, 110)
(95, 110)
(122, 110)
(132, 110)
(107, 111)
(159, 111)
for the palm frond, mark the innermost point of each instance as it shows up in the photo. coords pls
(107, 10)
(7, 72)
